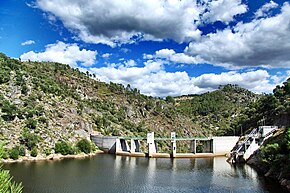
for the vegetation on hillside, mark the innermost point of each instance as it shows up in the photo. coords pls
(273, 157)
(276, 151)
(270, 109)
(7, 185)
(42, 103)
(217, 111)
(45, 103)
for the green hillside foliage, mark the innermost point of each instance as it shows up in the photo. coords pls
(270, 109)
(275, 154)
(42, 103)
(217, 111)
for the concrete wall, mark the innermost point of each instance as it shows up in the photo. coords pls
(105, 143)
(224, 144)
(251, 149)
(217, 145)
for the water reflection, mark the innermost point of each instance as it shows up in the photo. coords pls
(109, 173)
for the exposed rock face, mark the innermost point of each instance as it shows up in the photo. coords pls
(269, 172)
(129, 112)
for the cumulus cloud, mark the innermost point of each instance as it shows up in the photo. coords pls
(257, 81)
(262, 42)
(28, 42)
(106, 55)
(223, 10)
(170, 55)
(115, 22)
(64, 53)
(263, 11)
(153, 80)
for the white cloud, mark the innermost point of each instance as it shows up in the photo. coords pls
(115, 22)
(106, 55)
(263, 11)
(256, 81)
(64, 53)
(153, 80)
(125, 50)
(130, 63)
(223, 10)
(263, 42)
(28, 42)
(170, 55)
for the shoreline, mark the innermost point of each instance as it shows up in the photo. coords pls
(51, 157)
(270, 173)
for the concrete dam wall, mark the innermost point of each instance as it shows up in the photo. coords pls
(213, 146)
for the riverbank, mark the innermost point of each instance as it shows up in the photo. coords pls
(269, 172)
(52, 157)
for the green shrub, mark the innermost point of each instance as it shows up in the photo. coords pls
(170, 99)
(31, 123)
(4, 74)
(24, 89)
(34, 152)
(94, 147)
(6, 183)
(29, 139)
(47, 151)
(9, 110)
(63, 148)
(21, 149)
(269, 152)
(43, 120)
(2, 150)
(14, 153)
(84, 145)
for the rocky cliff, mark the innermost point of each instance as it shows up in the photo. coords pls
(273, 158)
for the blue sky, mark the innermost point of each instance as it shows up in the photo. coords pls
(162, 47)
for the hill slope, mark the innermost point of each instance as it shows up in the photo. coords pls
(55, 102)
(218, 110)
(49, 102)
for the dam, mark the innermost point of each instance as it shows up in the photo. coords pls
(212, 146)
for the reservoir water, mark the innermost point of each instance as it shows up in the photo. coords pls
(110, 173)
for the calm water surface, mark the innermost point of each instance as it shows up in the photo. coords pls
(109, 173)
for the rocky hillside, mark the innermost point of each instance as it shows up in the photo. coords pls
(273, 158)
(47, 102)
(218, 111)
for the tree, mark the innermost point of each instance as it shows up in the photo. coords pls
(33, 152)
(84, 146)
(2, 150)
(28, 139)
(9, 110)
(170, 99)
(63, 148)
(14, 153)
(31, 123)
